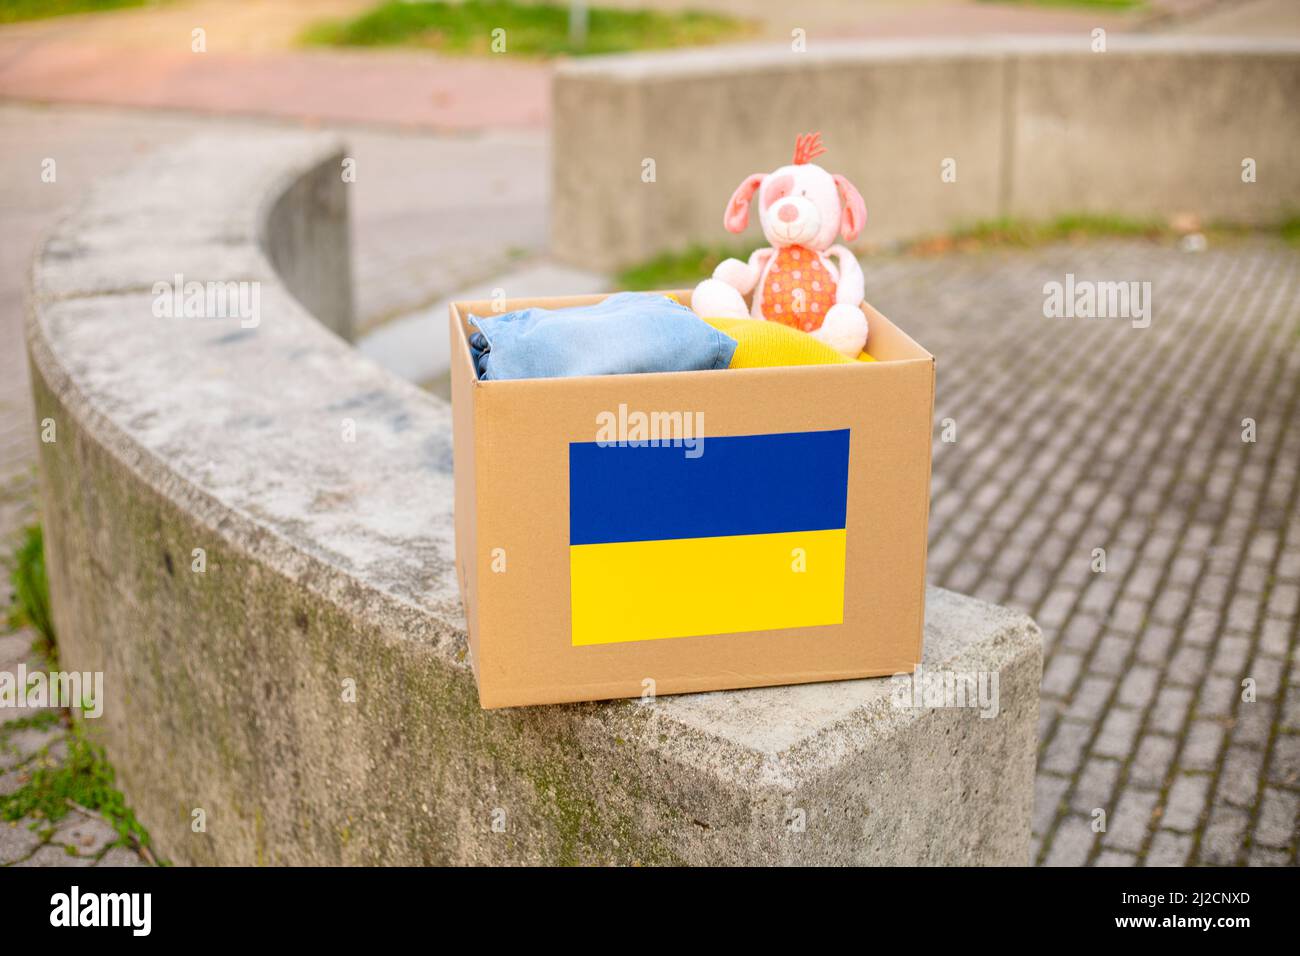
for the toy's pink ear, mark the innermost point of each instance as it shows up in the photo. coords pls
(736, 218)
(855, 210)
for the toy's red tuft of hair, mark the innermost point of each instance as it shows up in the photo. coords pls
(807, 148)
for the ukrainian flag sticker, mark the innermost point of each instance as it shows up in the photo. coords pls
(744, 533)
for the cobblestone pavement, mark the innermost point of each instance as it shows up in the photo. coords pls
(1082, 434)
(82, 838)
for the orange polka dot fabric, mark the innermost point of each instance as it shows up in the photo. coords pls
(798, 290)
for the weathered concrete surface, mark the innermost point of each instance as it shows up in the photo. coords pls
(307, 689)
(1156, 128)
(1153, 126)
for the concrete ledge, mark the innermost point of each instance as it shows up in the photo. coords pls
(329, 569)
(1038, 126)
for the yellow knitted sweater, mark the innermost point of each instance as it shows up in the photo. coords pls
(762, 344)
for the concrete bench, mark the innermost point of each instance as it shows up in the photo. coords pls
(249, 531)
(935, 133)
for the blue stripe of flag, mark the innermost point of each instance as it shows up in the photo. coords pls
(741, 484)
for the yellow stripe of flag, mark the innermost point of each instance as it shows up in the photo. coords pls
(646, 590)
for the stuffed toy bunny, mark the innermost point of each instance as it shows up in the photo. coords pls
(795, 282)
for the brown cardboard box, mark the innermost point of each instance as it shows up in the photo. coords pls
(537, 632)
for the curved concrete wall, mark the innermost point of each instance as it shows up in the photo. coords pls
(305, 237)
(1038, 127)
(307, 688)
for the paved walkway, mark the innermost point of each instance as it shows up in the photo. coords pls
(397, 89)
(1076, 435)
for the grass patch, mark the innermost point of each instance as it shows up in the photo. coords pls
(31, 590)
(533, 30)
(685, 268)
(11, 11)
(1082, 227)
(681, 269)
(84, 779)
(1072, 227)
(41, 720)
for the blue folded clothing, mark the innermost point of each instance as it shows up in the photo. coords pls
(627, 332)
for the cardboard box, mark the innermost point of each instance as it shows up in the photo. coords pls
(787, 547)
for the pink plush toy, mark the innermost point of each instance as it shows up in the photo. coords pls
(795, 282)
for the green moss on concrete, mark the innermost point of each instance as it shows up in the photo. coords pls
(586, 833)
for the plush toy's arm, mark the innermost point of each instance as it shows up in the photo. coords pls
(852, 287)
(743, 276)
(845, 326)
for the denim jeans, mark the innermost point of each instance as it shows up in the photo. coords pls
(627, 332)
